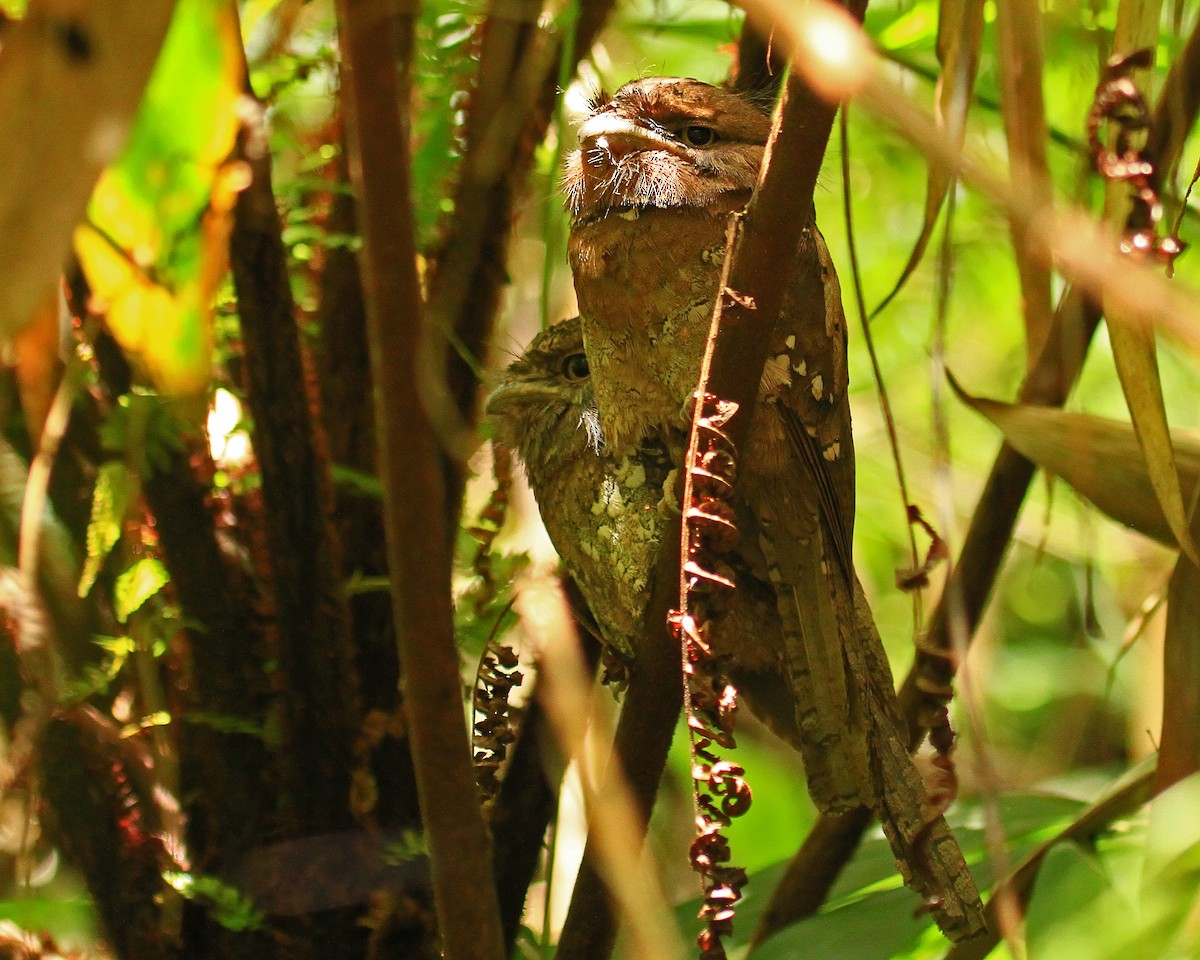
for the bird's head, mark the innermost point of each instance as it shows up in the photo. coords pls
(665, 142)
(544, 398)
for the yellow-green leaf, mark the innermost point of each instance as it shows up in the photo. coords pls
(110, 500)
(137, 585)
(1137, 366)
(156, 243)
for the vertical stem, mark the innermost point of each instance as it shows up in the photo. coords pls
(377, 47)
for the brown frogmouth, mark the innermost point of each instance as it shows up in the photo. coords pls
(661, 166)
(606, 514)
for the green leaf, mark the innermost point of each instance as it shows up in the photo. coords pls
(231, 908)
(1070, 879)
(869, 893)
(137, 585)
(110, 500)
(356, 481)
(917, 25)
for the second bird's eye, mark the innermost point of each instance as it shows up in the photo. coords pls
(575, 367)
(699, 136)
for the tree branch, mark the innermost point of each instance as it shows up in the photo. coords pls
(519, 82)
(103, 818)
(377, 45)
(760, 64)
(320, 694)
(226, 785)
(643, 739)
(526, 802)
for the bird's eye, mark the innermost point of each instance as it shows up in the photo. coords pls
(699, 136)
(575, 367)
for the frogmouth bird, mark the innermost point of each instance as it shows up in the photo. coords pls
(607, 513)
(661, 166)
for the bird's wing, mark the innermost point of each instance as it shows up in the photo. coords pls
(807, 526)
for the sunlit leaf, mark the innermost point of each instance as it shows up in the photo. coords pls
(137, 585)
(445, 45)
(160, 718)
(869, 895)
(1126, 896)
(230, 907)
(1070, 879)
(1119, 801)
(156, 243)
(914, 26)
(110, 500)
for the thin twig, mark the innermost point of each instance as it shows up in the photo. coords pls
(885, 405)
(33, 506)
(519, 73)
(1019, 62)
(643, 739)
(614, 810)
(525, 805)
(1007, 911)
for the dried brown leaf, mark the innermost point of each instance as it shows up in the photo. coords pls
(1098, 457)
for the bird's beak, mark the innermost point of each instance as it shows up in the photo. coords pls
(517, 393)
(619, 136)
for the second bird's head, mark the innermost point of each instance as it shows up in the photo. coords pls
(542, 405)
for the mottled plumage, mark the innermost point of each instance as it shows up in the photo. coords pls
(650, 197)
(604, 513)
(606, 516)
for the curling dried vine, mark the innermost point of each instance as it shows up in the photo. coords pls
(1119, 102)
(710, 700)
(492, 719)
